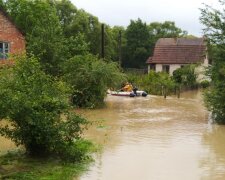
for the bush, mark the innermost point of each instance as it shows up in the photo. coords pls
(89, 78)
(36, 105)
(154, 82)
(204, 84)
(186, 76)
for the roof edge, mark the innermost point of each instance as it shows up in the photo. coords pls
(4, 12)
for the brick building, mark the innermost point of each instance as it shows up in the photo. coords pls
(12, 40)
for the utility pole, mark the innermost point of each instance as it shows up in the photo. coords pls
(103, 42)
(119, 48)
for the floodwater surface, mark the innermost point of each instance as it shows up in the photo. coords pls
(156, 139)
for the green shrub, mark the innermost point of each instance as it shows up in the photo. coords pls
(89, 78)
(186, 76)
(204, 84)
(37, 107)
(153, 82)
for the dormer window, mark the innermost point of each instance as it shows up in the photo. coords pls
(4, 50)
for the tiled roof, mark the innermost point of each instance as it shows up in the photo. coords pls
(178, 51)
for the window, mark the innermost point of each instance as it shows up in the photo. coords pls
(4, 50)
(152, 67)
(166, 68)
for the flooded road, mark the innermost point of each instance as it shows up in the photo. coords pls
(156, 139)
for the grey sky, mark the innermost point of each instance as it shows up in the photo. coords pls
(185, 13)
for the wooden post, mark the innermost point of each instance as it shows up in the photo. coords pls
(165, 92)
(178, 94)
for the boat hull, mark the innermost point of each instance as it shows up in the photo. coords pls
(128, 94)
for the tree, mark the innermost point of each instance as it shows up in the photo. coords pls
(66, 12)
(214, 31)
(166, 29)
(76, 22)
(43, 32)
(90, 77)
(1, 3)
(137, 45)
(36, 105)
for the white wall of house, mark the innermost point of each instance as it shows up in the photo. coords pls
(200, 71)
(158, 67)
(173, 67)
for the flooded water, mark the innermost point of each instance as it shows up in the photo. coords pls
(156, 139)
(153, 139)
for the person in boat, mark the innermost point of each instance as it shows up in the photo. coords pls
(135, 90)
(128, 87)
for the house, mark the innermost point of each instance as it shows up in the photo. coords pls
(12, 40)
(172, 53)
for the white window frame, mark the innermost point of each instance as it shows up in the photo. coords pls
(5, 50)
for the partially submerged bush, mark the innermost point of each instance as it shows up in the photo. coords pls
(186, 76)
(37, 107)
(204, 84)
(154, 82)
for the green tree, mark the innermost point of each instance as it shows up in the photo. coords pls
(80, 22)
(90, 78)
(166, 29)
(66, 12)
(40, 23)
(36, 105)
(137, 45)
(1, 3)
(214, 31)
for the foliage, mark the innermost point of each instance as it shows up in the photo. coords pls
(43, 35)
(75, 22)
(186, 76)
(36, 105)
(2, 4)
(51, 38)
(154, 82)
(90, 78)
(137, 45)
(141, 38)
(205, 84)
(66, 12)
(16, 165)
(214, 31)
(166, 29)
(76, 45)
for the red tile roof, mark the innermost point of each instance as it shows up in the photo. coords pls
(178, 51)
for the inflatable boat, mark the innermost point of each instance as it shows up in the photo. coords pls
(129, 94)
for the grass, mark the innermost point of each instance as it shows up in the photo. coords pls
(17, 166)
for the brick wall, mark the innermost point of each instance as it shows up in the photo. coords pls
(9, 33)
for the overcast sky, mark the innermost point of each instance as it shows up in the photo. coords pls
(185, 13)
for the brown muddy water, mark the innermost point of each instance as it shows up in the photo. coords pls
(153, 139)
(156, 139)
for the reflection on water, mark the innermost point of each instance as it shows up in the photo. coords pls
(155, 138)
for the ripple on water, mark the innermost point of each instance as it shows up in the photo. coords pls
(154, 138)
